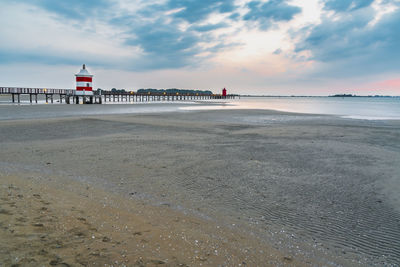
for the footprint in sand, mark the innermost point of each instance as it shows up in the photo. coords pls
(106, 239)
(5, 212)
(21, 219)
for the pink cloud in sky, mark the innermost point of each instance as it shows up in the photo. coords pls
(389, 84)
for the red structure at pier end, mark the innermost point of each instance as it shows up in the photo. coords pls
(224, 92)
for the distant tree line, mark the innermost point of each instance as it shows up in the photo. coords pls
(174, 91)
(350, 95)
(162, 91)
(343, 95)
(114, 90)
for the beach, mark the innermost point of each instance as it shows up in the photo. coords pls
(192, 188)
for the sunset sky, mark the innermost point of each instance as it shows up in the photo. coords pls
(275, 47)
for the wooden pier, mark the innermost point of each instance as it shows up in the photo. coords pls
(69, 96)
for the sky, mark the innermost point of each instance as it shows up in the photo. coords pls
(268, 47)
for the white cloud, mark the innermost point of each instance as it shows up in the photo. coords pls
(34, 31)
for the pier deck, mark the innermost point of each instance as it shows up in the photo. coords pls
(69, 96)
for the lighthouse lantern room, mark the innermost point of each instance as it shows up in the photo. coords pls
(84, 82)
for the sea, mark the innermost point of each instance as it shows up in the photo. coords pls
(364, 108)
(369, 108)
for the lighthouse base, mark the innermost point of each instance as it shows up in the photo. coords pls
(84, 93)
(77, 99)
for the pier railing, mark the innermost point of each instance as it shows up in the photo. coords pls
(21, 90)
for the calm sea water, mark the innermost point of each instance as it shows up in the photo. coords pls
(369, 108)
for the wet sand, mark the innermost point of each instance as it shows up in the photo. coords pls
(54, 225)
(200, 188)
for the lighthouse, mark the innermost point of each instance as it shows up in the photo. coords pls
(224, 92)
(84, 82)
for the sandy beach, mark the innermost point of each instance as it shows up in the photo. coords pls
(208, 188)
(46, 224)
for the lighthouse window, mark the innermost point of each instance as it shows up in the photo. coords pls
(87, 85)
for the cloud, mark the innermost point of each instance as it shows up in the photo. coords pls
(195, 11)
(36, 36)
(164, 45)
(351, 45)
(173, 34)
(346, 5)
(265, 13)
(391, 84)
(7, 57)
(210, 27)
(72, 9)
(152, 35)
(334, 39)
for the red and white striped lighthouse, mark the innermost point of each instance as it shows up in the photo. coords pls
(84, 82)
